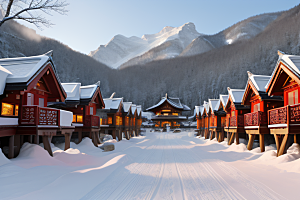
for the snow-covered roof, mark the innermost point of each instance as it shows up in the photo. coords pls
(73, 90)
(138, 109)
(206, 106)
(214, 104)
(291, 61)
(224, 98)
(22, 69)
(133, 108)
(197, 110)
(236, 95)
(126, 106)
(258, 81)
(201, 110)
(3, 75)
(87, 91)
(112, 103)
(173, 101)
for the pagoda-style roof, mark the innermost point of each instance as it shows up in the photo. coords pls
(223, 100)
(175, 102)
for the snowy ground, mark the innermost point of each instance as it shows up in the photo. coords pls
(155, 166)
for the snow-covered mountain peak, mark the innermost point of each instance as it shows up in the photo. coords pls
(121, 49)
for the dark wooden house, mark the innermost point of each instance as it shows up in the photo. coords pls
(168, 112)
(27, 85)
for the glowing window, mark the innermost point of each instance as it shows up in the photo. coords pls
(16, 110)
(232, 113)
(109, 120)
(166, 111)
(175, 114)
(120, 121)
(293, 97)
(74, 118)
(7, 109)
(117, 120)
(79, 118)
(166, 114)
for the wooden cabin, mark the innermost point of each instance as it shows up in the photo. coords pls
(255, 96)
(27, 84)
(85, 102)
(168, 112)
(235, 116)
(222, 115)
(113, 123)
(132, 121)
(202, 120)
(213, 118)
(284, 122)
(206, 116)
(217, 119)
(198, 119)
(138, 121)
(126, 118)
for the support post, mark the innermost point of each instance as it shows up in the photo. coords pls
(262, 142)
(11, 147)
(79, 136)
(46, 142)
(237, 141)
(286, 142)
(67, 140)
(250, 143)
(114, 133)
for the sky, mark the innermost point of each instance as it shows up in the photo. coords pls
(91, 23)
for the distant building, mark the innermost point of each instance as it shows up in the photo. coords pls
(168, 112)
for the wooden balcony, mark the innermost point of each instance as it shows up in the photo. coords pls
(92, 121)
(236, 121)
(283, 117)
(35, 115)
(255, 119)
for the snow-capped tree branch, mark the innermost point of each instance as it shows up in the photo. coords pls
(28, 10)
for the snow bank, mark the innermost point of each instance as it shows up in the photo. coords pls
(237, 148)
(74, 157)
(3, 159)
(32, 155)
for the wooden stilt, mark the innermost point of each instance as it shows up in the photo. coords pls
(278, 142)
(114, 133)
(67, 140)
(250, 143)
(262, 142)
(237, 140)
(79, 137)
(98, 138)
(46, 142)
(36, 139)
(286, 142)
(231, 140)
(11, 147)
(30, 139)
(120, 135)
(297, 138)
(17, 144)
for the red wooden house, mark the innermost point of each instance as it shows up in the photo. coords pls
(213, 117)
(138, 122)
(235, 115)
(198, 119)
(133, 115)
(206, 118)
(222, 113)
(284, 122)
(26, 87)
(255, 96)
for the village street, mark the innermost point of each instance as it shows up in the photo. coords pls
(155, 166)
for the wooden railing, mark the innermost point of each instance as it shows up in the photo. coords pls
(91, 121)
(278, 115)
(282, 114)
(237, 121)
(35, 115)
(255, 119)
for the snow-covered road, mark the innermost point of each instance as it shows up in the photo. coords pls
(158, 166)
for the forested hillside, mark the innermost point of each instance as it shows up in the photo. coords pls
(193, 79)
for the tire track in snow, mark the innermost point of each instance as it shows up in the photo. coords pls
(108, 186)
(257, 188)
(210, 187)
